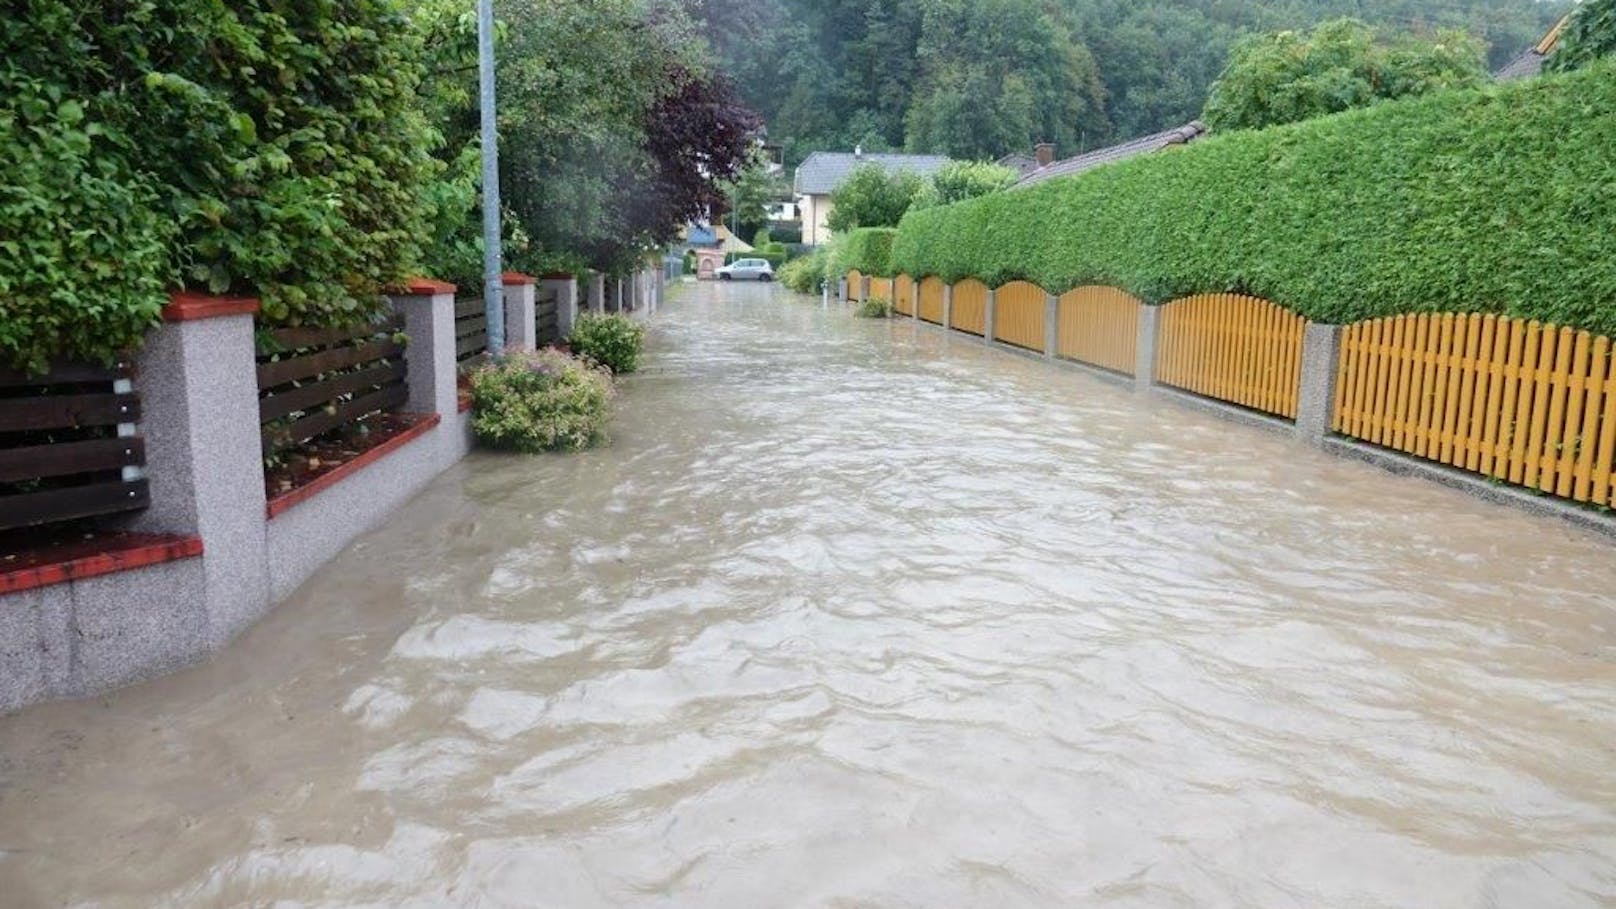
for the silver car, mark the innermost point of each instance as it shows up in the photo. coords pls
(747, 270)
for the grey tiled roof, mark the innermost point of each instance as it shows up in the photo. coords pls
(1021, 164)
(1525, 66)
(823, 172)
(1189, 132)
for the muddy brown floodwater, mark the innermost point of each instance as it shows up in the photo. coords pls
(852, 614)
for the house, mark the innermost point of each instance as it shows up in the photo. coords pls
(822, 173)
(1042, 156)
(1530, 61)
(1143, 145)
(712, 236)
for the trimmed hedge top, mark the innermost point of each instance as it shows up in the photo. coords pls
(1494, 200)
(868, 249)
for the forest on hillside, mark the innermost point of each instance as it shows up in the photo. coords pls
(981, 78)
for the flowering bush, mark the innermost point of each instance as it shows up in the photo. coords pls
(613, 341)
(541, 401)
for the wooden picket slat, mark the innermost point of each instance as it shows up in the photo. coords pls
(903, 295)
(1099, 326)
(931, 300)
(61, 459)
(855, 286)
(970, 307)
(59, 411)
(50, 506)
(1018, 315)
(1511, 399)
(1234, 348)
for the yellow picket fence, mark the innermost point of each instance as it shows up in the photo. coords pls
(1519, 401)
(970, 307)
(931, 300)
(881, 289)
(1099, 326)
(903, 293)
(1018, 315)
(855, 286)
(1234, 348)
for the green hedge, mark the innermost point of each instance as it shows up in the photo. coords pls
(1496, 200)
(868, 249)
(258, 147)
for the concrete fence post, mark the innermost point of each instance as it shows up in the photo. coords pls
(864, 287)
(841, 289)
(989, 312)
(617, 295)
(521, 318)
(1144, 370)
(1051, 326)
(565, 288)
(948, 306)
(661, 288)
(597, 292)
(914, 300)
(429, 357)
(1321, 354)
(204, 461)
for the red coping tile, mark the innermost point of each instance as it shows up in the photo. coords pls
(423, 287)
(283, 503)
(75, 560)
(184, 306)
(516, 279)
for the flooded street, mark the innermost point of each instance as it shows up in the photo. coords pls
(854, 614)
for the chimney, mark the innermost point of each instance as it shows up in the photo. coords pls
(1045, 153)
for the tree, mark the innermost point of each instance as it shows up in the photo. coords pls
(1001, 75)
(1288, 76)
(872, 197)
(1589, 35)
(614, 130)
(961, 180)
(750, 195)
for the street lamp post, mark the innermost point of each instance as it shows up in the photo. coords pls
(493, 280)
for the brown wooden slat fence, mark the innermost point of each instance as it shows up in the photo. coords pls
(903, 292)
(68, 446)
(546, 317)
(471, 329)
(318, 380)
(881, 288)
(969, 306)
(855, 286)
(1018, 315)
(1520, 401)
(931, 300)
(1099, 326)
(1234, 348)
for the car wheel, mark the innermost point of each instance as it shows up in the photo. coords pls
(765, 277)
(723, 277)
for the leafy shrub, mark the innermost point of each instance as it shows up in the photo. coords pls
(872, 197)
(280, 142)
(540, 401)
(611, 340)
(961, 180)
(1479, 200)
(1590, 35)
(804, 274)
(867, 249)
(84, 259)
(874, 308)
(1287, 76)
